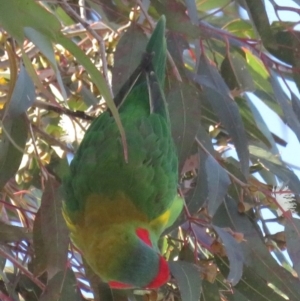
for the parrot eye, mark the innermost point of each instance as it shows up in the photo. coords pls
(143, 234)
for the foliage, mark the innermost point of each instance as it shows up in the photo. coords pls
(221, 247)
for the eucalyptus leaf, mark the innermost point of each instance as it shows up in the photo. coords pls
(188, 278)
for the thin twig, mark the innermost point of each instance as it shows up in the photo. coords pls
(61, 110)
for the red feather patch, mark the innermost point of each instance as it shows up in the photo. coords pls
(143, 234)
(119, 285)
(163, 274)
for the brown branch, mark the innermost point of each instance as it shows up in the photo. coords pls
(61, 110)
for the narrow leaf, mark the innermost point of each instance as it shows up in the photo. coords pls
(285, 105)
(234, 253)
(218, 182)
(10, 233)
(262, 125)
(296, 105)
(62, 287)
(235, 73)
(184, 109)
(39, 260)
(128, 55)
(292, 233)
(188, 278)
(210, 291)
(260, 20)
(224, 106)
(54, 229)
(29, 14)
(197, 196)
(286, 175)
(44, 44)
(23, 95)
(13, 141)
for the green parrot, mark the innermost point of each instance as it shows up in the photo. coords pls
(116, 209)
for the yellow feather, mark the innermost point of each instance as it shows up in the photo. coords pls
(160, 222)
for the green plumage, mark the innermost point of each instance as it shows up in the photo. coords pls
(148, 181)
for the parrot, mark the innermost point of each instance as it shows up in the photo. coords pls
(116, 208)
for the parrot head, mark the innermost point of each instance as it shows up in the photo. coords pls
(150, 268)
(136, 261)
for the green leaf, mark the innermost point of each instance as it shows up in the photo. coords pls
(23, 94)
(128, 55)
(264, 154)
(27, 288)
(285, 105)
(46, 48)
(296, 105)
(62, 287)
(261, 76)
(210, 291)
(197, 196)
(259, 120)
(240, 28)
(226, 109)
(235, 73)
(38, 264)
(188, 278)
(53, 228)
(201, 234)
(9, 233)
(250, 123)
(286, 175)
(218, 182)
(251, 286)
(12, 145)
(208, 5)
(177, 19)
(184, 110)
(234, 254)
(292, 234)
(260, 21)
(29, 14)
(287, 43)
